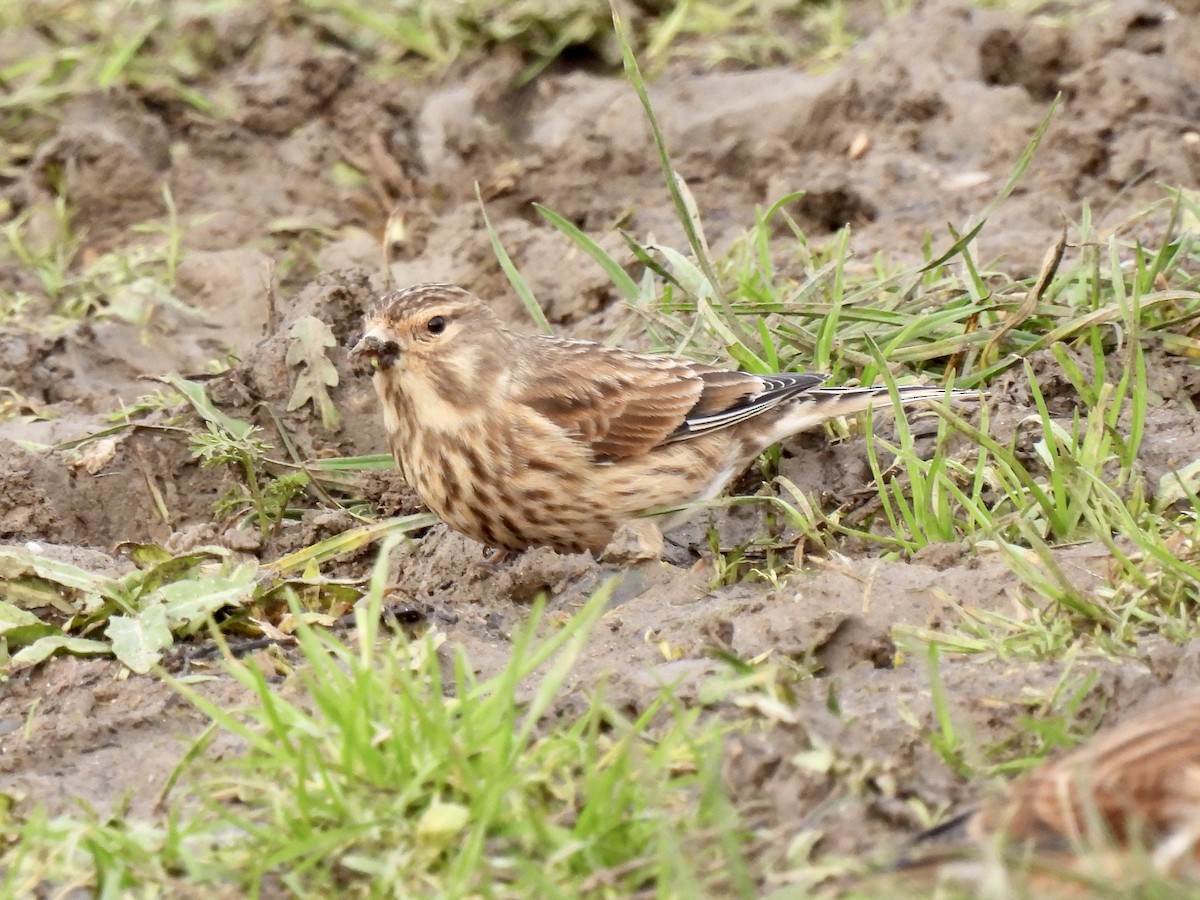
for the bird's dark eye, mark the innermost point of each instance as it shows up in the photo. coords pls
(436, 325)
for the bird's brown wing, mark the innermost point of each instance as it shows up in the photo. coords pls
(624, 404)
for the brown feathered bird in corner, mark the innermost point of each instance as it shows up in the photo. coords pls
(522, 440)
(1128, 797)
(1135, 784)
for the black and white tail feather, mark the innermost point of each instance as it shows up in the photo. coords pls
(810, 404)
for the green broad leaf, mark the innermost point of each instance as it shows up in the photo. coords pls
(138, 641)
(18, 564)
(171, 569)
(19, 627)
(14, 617)
(43, 648)
(308, 340)
(144, 555)
(31, 592)
(192, 601)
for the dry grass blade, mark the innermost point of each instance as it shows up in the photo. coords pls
(1049, 268)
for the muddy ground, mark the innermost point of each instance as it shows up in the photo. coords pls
(919, 127)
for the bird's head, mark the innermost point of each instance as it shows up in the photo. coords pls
(437, 334)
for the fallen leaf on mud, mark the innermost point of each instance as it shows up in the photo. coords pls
(270, 663)
(279, 635)
(95, 456)
(634, 542)
(1178, 485)
(139, 642)
(288, 622)
(1181, 345)
(309, 338)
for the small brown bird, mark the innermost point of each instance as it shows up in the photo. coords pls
(1135, 784)
(522, 440)
(1124, 802)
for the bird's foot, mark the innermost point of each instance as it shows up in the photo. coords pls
(496, 561)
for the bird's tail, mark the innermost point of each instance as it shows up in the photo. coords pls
(845, 401)
(819, 405)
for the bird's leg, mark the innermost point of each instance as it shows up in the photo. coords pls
(496, 559)
(499, 556)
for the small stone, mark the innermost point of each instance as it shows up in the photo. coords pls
(634, 541)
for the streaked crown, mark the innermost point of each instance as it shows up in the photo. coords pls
(416, 306)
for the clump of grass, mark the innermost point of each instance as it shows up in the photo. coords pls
(126, 283)
(74, 47)
(1049, 721)
(704, 31)
(388, 767)
(397, 783)
(172, 47)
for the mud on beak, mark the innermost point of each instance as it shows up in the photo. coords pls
(377, 351)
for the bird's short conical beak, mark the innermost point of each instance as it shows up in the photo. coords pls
(381, 352)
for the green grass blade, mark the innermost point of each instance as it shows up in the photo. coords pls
(613, 269)
(514, 276)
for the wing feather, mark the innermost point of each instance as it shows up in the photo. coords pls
(624, 404)
(727, 401)
(617, 402)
